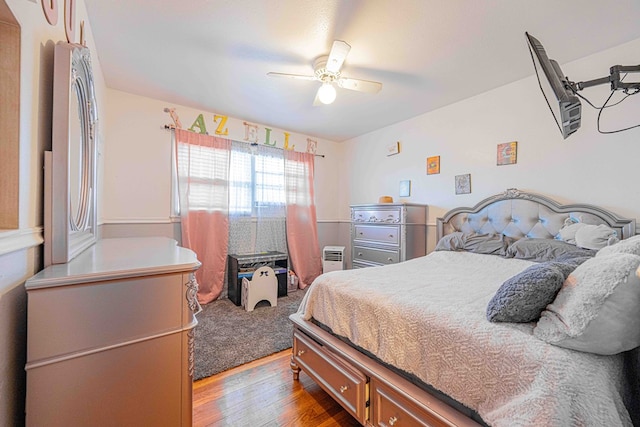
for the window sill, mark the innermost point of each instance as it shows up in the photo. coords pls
(16, 240)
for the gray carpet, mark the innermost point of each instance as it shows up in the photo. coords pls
(228, 336)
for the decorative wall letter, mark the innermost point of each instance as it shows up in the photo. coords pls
(223, 122)
(250, 132)
(312, 146)
(70, 20)
(174, 116)
(199, 123)
(50, 9)
(268, 138)
(286, 142)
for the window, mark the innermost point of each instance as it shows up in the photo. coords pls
(256, 178)
(256, 182)
(207, 170)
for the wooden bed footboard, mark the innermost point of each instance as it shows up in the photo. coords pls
(370, 392)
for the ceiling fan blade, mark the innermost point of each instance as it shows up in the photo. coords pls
(359, 85)
(292, 76)
(338, 53)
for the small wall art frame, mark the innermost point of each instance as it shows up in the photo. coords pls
(507, 153)
(463, 184)
(433, 165)
(393, 148)
(405, 188)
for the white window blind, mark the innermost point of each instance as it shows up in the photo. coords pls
(206, 168)
(256, 178)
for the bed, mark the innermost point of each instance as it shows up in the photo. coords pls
(411, 343)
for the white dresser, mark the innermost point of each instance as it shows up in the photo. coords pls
(110, 336)
(387, 233)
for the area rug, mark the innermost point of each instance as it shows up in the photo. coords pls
(228, 336)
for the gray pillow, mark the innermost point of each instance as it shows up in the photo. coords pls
(523, 297)
(572, 260)
(492, 244)
(541, 250)
(451, 242)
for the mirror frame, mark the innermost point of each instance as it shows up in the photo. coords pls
(68, 233)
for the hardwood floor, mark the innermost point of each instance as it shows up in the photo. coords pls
(264, 393)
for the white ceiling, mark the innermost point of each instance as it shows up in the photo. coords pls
(214, 55)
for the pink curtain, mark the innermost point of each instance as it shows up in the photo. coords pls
(203, 170)
(302, 230)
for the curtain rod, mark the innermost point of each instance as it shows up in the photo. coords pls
(172, 127)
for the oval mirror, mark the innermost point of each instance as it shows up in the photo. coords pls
(70, 178)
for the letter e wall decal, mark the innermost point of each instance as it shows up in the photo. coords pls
(250, 132)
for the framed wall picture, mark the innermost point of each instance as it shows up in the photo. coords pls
(393, 148)
(405, 188)
(507, 153)
(463, 184)
(433, 165)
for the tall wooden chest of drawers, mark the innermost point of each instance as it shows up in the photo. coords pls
(387, 233)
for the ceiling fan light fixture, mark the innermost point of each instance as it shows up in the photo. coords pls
(327, 93)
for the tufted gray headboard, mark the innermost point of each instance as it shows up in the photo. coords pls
(518, 214)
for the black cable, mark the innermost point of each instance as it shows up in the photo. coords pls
(601, 109)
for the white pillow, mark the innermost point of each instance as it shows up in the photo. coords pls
(568, 232)
(597, 309)
(595, 236)
(626, 246)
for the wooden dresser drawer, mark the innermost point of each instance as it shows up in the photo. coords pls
(390, 408)
(387, 234)
(342, 381)
(375, 255)
(390, 216)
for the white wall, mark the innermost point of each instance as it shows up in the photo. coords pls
(137, 159)
(588, 167)
(21, 248)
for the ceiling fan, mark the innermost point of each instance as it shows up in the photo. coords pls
(327, 70)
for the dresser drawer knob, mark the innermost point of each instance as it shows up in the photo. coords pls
(300, 352)
(389, 259)
(393, 420)
(390, 235)
(361, 233)
(359, 253)
(343, 388)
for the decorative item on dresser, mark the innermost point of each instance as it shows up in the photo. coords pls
(387, 233)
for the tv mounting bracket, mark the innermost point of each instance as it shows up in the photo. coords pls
(613, 78)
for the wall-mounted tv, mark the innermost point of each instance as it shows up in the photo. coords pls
(563, 103)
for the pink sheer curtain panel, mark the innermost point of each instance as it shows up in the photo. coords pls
(203, 169)
(302, 230)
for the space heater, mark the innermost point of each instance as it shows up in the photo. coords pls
(332, 258)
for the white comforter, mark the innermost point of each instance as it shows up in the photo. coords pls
(427, 317)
